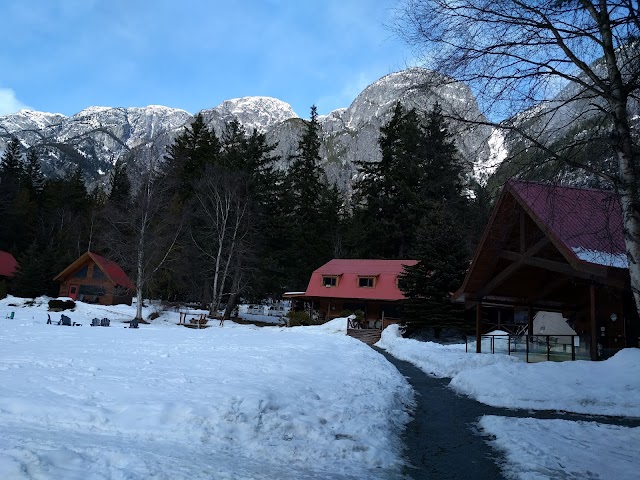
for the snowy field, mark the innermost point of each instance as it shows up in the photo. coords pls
(242, 402)
(167, 402)
(544, 449)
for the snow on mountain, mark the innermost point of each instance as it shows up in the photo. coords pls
(259, 113)
(95, 137)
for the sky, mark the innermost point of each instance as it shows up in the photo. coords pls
(61, 56)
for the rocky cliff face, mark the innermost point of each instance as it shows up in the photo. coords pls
(95, 137)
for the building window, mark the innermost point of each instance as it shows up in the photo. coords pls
(365, 282)
(82, 273)
(329, 281)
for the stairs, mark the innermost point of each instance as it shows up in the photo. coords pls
(366, 335)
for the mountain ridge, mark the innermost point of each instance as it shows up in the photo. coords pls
(96, 136)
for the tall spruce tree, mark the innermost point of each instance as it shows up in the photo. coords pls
(388, 196)
(188, 156)
(119, 185)
(33, 177)
(312, 212)
(442, 251)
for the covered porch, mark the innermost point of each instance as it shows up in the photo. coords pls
(553, 249)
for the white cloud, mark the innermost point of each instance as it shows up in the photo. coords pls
(9, 103)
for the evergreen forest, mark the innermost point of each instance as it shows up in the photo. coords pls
(215, 222)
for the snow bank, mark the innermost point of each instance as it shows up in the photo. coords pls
(169, 402)
(552, 449)
(611, 387)
(436, 359)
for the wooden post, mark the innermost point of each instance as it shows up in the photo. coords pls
(478, 325)
(594, 324)
(529, 323)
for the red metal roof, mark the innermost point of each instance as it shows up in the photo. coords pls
(8, 264)
(348, 271)
(113, 271)
(588, 222)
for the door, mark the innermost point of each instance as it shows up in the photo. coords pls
(73, 291)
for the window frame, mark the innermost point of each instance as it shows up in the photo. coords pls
(371, 281)
(333, 281)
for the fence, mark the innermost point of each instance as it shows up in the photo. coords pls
(536, 348)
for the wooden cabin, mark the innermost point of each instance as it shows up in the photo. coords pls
(370, 286)
(8, 265)
(95, 279)
(556, 249)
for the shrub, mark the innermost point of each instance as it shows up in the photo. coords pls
(153, 315)
(297, 319)
(345, 313)
(359, 315)
(59, 305)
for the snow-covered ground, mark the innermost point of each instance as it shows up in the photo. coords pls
(242, 402)
(167, 402)
(543, 449)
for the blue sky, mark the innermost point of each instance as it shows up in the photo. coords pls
(64, 55)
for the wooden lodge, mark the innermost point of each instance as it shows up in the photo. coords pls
(554, 249)
(370, 286)
(95, 279)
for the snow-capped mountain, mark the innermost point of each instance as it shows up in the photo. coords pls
(95, 137)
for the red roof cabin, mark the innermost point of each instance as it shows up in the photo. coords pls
(370, 286)
(95, 279)
(8, 265)
(560, 249)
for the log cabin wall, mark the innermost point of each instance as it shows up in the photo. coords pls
(93, 286)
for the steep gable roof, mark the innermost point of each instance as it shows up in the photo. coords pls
(112, 270)
(587, 222)
(583, 225)
(8, 264)
(349, 271)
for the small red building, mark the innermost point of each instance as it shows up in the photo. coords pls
(95, 279)
(346, 284)
(8, 265)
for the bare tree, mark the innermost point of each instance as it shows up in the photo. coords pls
(143, 233)
(223, 212)
(535, 58)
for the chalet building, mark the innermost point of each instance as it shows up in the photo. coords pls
(370, 286)
(95, 279)
(554, 249)
(8, 265)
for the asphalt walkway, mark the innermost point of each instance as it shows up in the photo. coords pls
(442, 441)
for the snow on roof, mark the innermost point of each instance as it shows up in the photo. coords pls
(588, 222)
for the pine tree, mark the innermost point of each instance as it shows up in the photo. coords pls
(187, 158)
(312, 209)
(388, 197)
(11, 168)
(119, 185)
(33, 177)
(443, 257)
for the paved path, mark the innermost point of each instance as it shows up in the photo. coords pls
(442, 441)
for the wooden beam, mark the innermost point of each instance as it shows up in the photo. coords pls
(549, 288)
(523, 237)
(510, 270)
(595, 273)
(594, 323)
(478, 325)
